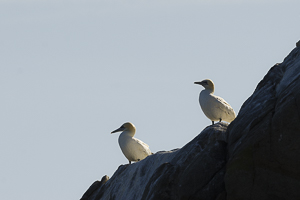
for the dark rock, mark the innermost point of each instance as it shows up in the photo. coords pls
(195, 171)
(256, 157)
(263, 141)
(96, 185)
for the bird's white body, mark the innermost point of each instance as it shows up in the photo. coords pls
(215, 108)
(133, 148)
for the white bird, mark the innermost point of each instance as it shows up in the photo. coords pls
(133, 149)
(215, 108)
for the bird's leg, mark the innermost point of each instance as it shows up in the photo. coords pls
(129, 162)
(213, 122)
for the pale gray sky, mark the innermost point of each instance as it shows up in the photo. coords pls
(73, 71)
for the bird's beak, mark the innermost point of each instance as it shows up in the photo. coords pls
(199, 83)
(119, 129)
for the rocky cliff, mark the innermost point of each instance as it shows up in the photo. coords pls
(256, 157)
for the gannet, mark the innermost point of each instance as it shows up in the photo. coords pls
(133, 149)
(215, 108)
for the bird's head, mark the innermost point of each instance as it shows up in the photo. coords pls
(125, 127)
(207, 84)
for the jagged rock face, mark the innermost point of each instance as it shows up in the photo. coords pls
(195, 171)
(264, 140)
(257, 157)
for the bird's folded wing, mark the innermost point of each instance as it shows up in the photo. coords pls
(141, 142)
(142, 146)
(223, 105)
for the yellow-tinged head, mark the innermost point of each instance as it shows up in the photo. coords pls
(125, 127)
(207, 84)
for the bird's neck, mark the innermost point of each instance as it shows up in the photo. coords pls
(128, 133)
(208, 91)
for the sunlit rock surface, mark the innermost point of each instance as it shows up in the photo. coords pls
(196, 170)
